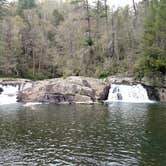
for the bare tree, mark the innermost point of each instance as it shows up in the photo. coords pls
(135, 7)
(87, 7)
(106, 19)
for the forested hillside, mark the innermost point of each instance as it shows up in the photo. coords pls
(77, 37)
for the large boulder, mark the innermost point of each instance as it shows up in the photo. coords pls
(70, 90)
(100, 87)
(34, 93)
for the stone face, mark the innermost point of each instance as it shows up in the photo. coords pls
(162, 94)
(157, 80)
(1, 90)
(82, 99)
(35, 93)
(153, 93)
(100, 88)
(57, 98)
(121, 80)
(70, 90)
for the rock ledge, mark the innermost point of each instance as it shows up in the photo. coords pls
(70, 90)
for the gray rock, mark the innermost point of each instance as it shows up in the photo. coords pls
(1, 90)
(70, 90)
(121, 80)
(162, 94)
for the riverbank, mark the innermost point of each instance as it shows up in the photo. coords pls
(76, 89)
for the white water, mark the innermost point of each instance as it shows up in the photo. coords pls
(31, 104)
(128, 93)
(9, 94)
(26, 85)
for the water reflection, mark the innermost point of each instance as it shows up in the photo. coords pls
(153, 147)
(116, 134)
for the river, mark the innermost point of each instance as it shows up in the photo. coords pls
(118, 134)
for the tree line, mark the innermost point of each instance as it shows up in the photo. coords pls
(53, 39)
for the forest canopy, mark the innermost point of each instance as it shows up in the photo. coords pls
(53, 39)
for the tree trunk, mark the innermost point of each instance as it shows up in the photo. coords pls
(106, 19)
(97, 23)
(40, 57)
(146, 6)
(135, 7)
(88, 19)
(34, 63)
(116, 46)
(113, 34)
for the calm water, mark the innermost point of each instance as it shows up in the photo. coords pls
(109, 135)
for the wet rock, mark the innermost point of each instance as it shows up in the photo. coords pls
(162, 94)
(152, 92)
(57, 98)
(1, 90)
(119, 96)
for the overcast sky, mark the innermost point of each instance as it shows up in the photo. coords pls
(115, 3)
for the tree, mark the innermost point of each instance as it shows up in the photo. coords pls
(57, 17)
(3, 4)
(135, 7)
(49, 39)
(106, 18)
(154, 40)
(89, 40)
(25, 4)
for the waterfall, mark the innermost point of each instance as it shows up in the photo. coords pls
(128, 93)
(8, 92)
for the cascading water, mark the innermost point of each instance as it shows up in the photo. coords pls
(128, 93)
(8, 92)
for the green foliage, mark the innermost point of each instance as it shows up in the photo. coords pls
(104, 74)
(57, 17)
(25, 4)
(29, 74)
(3, 5)
(89, 42)
(60, 39)
(154, 41)
(74, 2)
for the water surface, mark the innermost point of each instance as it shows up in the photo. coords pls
(119, 134)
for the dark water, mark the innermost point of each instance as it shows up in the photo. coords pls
(115, 135)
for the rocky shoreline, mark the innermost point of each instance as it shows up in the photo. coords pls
(70, 90)
(76, 89)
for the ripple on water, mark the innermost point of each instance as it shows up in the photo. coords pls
(120, 135)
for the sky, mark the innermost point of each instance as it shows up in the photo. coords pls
(118, 3)
(115, 3)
